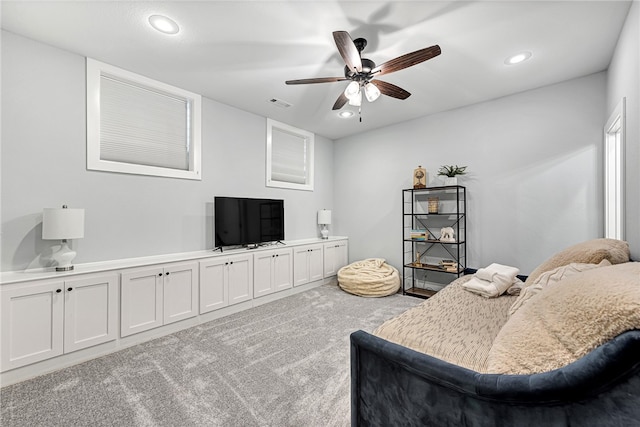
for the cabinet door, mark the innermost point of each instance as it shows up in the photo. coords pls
(32, 323)
(342, 256)
(240, 278)
(316, 264)
(283, 270)
(301, 265)
(90, 311)
(180, 292)
(213, 288)
(330, 262)
(262, 273)
(141, 300)
(335, 257)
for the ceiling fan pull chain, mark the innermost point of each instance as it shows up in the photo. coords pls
(360, 113)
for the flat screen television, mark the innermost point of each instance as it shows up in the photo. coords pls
(247, 222)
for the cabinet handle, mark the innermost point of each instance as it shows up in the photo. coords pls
(231, 262)
(58, 291)
(167, 273)
(226, 263)
(69, 289)
(159, 274)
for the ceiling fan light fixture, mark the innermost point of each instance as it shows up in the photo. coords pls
(164, 24)
(356, 101)
(371, 91)
(345, 114)
(352, 90)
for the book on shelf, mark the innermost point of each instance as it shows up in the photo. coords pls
(449, 265)
(418, 235)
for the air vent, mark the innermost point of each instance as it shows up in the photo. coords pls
(280, 103)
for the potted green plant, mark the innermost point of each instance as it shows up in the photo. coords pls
(451, 172)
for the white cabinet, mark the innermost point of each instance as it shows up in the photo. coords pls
(336, 256)
(272, 271)
(47, 318)
(158, 295)
(225, 281)
(307, 264)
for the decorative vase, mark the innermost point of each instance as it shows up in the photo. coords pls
(451, 180)
(432, 205)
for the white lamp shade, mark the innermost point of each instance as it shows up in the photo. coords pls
(371, 91)
(356, 100)
(352, 90)
(62, 223)
(324, 217)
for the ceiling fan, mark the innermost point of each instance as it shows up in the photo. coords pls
(364, 73)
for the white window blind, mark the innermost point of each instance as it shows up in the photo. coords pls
(289, 156)
(141, 126)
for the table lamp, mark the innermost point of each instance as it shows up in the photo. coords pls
(62, 224)
(324, 219)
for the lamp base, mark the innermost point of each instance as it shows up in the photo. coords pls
(324, 233)
(64, 257)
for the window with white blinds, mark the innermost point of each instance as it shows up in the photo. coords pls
(289, 156)
(141, 126)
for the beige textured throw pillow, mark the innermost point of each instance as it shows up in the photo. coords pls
(551, 277)
(565, 322)
(591, 252)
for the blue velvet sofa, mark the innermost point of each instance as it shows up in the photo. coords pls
(566, 352)
(392, 385)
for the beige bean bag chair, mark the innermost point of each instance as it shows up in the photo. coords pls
(372, 277)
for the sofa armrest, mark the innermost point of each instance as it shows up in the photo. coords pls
(394, 385)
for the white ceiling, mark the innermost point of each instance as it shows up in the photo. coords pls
(241, 52)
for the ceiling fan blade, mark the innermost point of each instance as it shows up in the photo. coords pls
(316, 80)
(407, 60)
(348, 50)
(391, 89)
(342, 99)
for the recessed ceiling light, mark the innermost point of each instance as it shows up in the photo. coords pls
(345, 114)
(517, 58)
(164, 24)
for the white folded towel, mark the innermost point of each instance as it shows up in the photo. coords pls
(489, 273)
(482, 287)
(492, 281)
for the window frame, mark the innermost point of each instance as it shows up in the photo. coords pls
(614, 173)
(94, 72)
(307, 138)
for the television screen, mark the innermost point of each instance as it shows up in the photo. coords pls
(244, 221)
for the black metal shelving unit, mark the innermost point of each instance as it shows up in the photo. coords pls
(425, 266)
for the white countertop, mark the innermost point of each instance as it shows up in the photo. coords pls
(8, 277)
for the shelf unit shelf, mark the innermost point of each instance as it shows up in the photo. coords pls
(420, 292)
(425, 257)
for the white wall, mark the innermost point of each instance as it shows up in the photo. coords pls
(43, 165)
(534, 182)
(624, 81)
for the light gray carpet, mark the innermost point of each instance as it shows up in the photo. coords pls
(285, 363)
